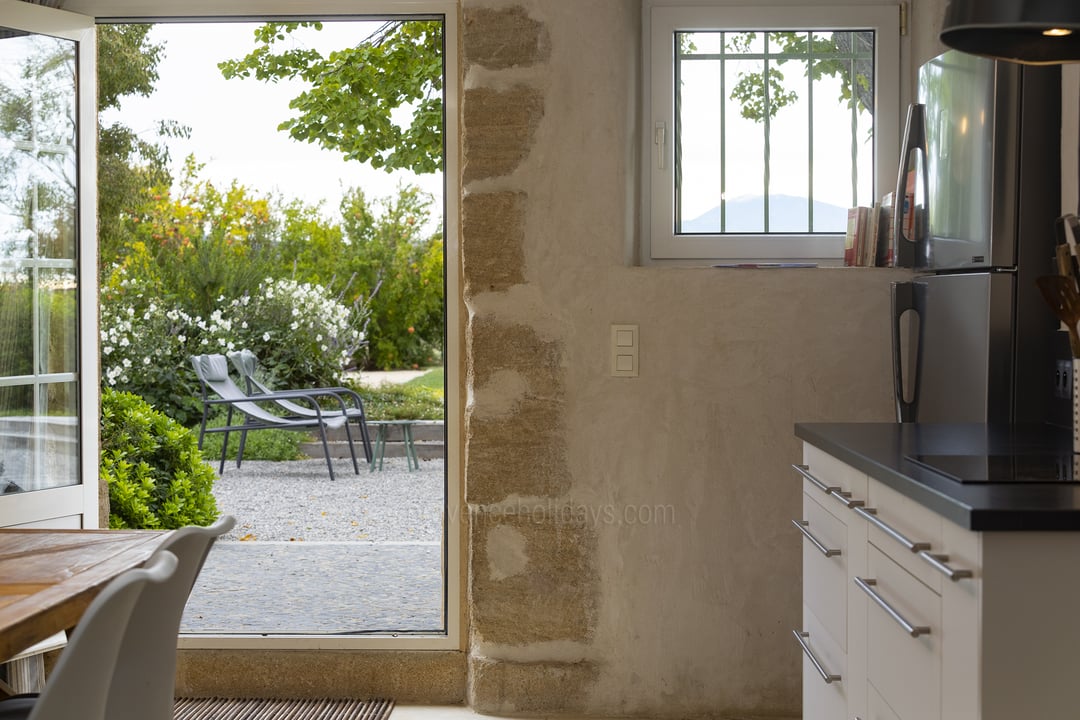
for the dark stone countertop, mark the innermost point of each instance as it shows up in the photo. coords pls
(883, 451)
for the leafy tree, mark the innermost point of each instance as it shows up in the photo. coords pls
(353, 93)
(206, 244)
(404, 271)
(379, 256)
(128, 164)
(820, 56)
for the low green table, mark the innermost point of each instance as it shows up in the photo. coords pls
(382, 427)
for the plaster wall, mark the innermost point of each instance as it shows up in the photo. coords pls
(630, 549)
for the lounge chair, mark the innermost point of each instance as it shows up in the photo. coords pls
(213, 374)
(246, 363)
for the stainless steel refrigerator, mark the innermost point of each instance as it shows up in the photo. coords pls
(973, 341)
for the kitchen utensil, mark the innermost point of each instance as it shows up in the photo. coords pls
(1063, 298)
(1064, 260)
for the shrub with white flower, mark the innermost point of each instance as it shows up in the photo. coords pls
(145, 349)
(301, 335)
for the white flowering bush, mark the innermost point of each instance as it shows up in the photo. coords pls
(145, 349)
(301, 335)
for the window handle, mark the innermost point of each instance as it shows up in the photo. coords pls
(659, 133)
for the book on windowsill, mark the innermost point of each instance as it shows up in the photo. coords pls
(886, 253)
(856, 239)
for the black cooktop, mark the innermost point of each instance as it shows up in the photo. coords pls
(995, 469)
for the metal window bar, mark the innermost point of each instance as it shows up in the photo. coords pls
(810, 131)
(766, 147)
(854, 142)
(723, 145)
(851, 56)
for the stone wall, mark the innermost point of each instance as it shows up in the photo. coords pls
(629, 549)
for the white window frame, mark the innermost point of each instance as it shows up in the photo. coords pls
(660, 242)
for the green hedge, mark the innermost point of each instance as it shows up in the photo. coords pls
(152, 464)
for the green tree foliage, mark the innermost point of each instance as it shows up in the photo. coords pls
(353, 93)
(380, 256)
(155, 473)
(819, 55)
(194, 257)
(128, 164)
(206, 244)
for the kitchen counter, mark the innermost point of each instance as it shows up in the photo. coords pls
(885, 450)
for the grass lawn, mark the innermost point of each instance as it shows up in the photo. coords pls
(432, 379)
(418, 399)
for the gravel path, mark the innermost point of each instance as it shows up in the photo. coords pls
(297, 501)
(360, 554)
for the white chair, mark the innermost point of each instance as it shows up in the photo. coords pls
(78, 688)
(144, 679)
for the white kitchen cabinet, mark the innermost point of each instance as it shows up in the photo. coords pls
(925, 620)
(828, 592)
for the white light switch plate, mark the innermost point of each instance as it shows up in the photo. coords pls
(624, 350)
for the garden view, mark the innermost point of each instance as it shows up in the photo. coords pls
(190, 267)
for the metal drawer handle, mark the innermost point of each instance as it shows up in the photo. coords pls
(845, 498)
(833, 490)
(866, 585)
(802, 637)
(803, 526)
(870, 514)
(804, 470)
(938, 562)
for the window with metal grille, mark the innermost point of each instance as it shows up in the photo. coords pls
(767, 124)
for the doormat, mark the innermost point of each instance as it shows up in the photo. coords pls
(273, 709)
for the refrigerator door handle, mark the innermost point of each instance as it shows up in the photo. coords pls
(903, 300)
(910, 199)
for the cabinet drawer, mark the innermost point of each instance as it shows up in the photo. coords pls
(822, 700)
(878, 708)
(904, 670)
(825, 552)
(916, 523)
(832, 473)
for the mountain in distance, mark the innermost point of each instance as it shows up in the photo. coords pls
(787, 213)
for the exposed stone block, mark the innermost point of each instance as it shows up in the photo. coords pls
(499, 687)
(493, 259)
(499, 38)
(496, 346)
(523, 453)
(498, 129)
(533, 576)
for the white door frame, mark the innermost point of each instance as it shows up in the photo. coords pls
(147, 10)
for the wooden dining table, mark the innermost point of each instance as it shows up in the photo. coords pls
(49, 577)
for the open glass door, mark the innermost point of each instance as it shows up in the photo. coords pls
(48, 281)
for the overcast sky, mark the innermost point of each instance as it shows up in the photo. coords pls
(234, 122)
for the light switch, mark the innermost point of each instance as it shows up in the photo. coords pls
(624, 350)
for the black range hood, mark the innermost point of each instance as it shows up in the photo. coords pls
(1034, 32)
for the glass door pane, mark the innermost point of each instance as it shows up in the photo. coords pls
(42, 114)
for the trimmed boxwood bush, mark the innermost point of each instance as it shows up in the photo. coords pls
(156, 476)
